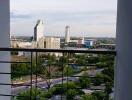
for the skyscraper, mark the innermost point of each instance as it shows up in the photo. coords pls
(38, 30)
(67, 34)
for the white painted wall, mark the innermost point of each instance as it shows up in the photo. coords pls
(123, 72)
(4, 42)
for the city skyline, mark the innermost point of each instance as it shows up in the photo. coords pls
(90, 18)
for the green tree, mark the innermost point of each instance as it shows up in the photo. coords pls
(108, 90)
(88, 97)
(99, 95)
(98, 80)
(25, 95)
(71, 93)
(102, 65)
(109, 72)
(20, 69)
(63, 60)
(84, 81)
(68, 70)
(81, 60)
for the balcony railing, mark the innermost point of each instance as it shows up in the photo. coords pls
(57, 74)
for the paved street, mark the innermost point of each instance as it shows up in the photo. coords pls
(43, 85)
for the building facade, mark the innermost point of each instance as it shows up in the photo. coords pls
(67, 34)
(38, 30)
(52, 43)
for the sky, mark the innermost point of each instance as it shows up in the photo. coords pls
(91, 18)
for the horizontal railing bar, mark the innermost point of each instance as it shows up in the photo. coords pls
(14, 73)
(6, 95)
(113, 52)
(14, 84)
(5, 73)
(47, 76)
(13, 62)
(51, 76)
(12, 95)
(17, 73)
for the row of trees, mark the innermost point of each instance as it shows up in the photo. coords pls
(106, 77)
(67, 90)
(22, 69)
(43, 65)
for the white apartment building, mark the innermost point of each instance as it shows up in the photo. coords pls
(20, 44)
(47, 43)
(38, 30)
(40, 43)
(52, 43)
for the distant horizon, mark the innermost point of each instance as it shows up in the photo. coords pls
(61, 36)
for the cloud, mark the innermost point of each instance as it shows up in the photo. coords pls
(62, 5)
(16, 15)
(84, 16)
(89, 18)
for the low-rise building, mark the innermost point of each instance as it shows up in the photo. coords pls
(52, 43)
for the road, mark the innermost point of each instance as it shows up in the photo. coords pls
(43, 84)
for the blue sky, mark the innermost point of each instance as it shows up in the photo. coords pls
(92, 18)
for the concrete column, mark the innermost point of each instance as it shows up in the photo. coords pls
(123, 72)
(4, 42)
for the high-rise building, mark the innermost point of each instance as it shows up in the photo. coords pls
(38, 30)
(67, 34)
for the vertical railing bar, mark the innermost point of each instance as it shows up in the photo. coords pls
(31, 73)
(36, 75)
(62, 76)
(67, 76)
(49, 74)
